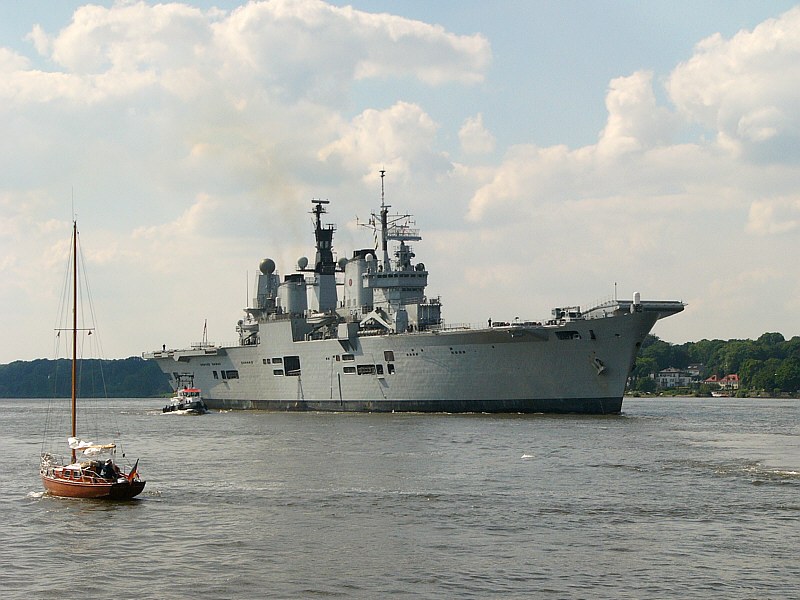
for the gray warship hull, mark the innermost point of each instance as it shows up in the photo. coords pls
(579, 366)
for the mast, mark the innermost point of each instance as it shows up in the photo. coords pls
(324, 265)
(397, 227)
(74, 326)
(384, 225)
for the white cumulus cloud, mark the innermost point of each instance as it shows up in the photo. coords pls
(195, 138)
(774, 216)
(745, 88)
(475, 138)
(188, 134)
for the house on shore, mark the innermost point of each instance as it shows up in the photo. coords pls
(729, 383)
(671, 377)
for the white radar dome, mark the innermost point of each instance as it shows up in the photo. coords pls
(267, 266)
(342, 263)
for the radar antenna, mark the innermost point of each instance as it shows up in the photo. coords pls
(383, 174)
(392, 227)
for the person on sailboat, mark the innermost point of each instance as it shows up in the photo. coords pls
(108, 470)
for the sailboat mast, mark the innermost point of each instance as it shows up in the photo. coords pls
(74, 326)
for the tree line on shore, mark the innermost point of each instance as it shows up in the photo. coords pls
(122, 378)
(770, 364)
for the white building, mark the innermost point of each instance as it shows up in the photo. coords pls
(672, 378)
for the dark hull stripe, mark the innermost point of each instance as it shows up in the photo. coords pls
(588, 406)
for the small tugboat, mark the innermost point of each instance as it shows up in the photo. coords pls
(92, 476)
(187, 401)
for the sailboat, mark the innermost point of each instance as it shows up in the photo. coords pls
(92, 471)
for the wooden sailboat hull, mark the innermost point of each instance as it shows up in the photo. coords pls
(80, 489)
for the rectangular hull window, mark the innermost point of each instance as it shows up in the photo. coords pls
(291, 365)
(568, 335)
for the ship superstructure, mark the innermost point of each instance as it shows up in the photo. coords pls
(360, 334)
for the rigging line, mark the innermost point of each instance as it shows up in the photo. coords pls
(64, 303)
(95, 343)
(57, 412)
(97, 340)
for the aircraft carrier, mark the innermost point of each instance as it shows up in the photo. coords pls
(360, 334)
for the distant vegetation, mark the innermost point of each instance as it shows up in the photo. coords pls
(770, 364)
(126, 378)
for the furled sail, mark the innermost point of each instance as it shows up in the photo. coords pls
(90, 449)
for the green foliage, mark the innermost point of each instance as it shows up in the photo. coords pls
(764, 379)
(771, 339)
(664, 353)
(644, 367)
(704, 390)
(647, 385)
(125, 378)
(787, 376)
(750, 369)
(770, 364)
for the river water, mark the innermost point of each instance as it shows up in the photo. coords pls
(693, 498)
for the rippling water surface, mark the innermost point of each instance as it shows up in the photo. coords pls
(674, 498)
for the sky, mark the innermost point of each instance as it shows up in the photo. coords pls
(552, 153)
